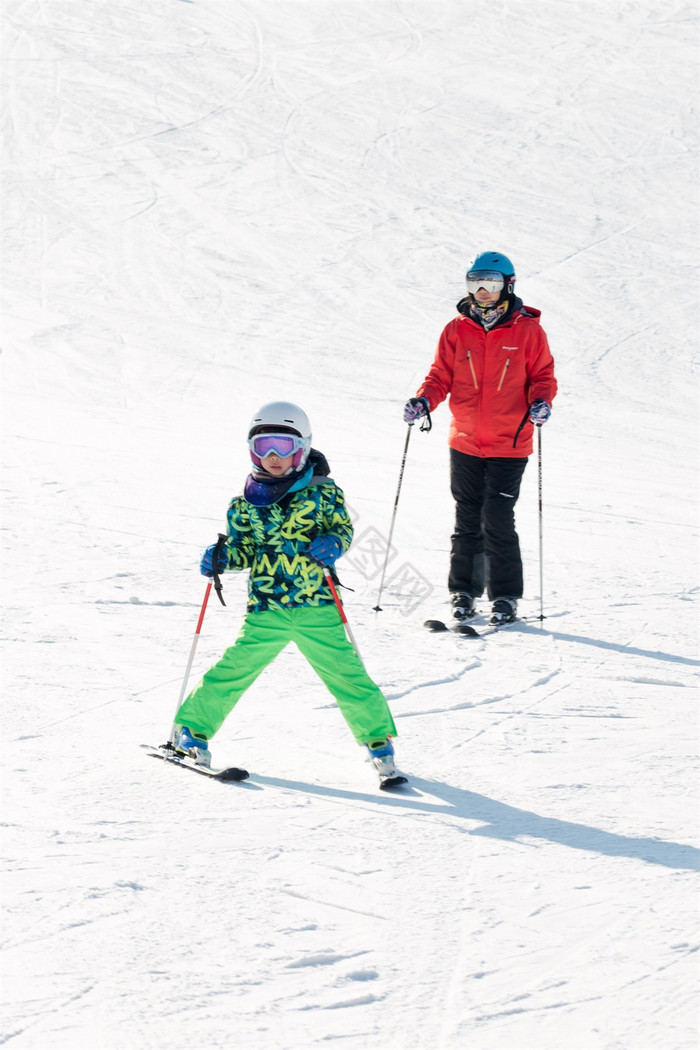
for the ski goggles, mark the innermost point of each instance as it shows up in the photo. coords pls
(490, 280)
(282, 445)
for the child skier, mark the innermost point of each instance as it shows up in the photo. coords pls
(290, 522)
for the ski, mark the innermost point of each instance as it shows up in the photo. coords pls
(168, 754)
(465, 629)
(440, 627)
(389, 783)
(232, 773)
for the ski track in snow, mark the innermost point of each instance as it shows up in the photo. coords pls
(211, 205)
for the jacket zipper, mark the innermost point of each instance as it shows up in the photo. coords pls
(471, 365)
(503, 374)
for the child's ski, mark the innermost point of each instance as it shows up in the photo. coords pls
(389, 783)
(168, 754)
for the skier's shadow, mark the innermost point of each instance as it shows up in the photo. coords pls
(510, 824)
(501, 821)
(626, 650)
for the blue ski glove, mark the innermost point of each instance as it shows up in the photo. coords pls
(540, 411)
(325, 549)
(415, 408)
(206, 566)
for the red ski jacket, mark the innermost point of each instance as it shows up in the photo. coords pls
(492, 378)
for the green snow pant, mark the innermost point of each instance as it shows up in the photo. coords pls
(319, 634)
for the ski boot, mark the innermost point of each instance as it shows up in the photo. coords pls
(194, 746)
(381, 754)
(462, 606)
(503, 610)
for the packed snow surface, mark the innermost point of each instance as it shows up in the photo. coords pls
(209, 204)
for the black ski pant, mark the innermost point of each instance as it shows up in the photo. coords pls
(485, 545)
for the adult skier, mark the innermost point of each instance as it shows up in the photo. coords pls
(494, 362)
(290, 522)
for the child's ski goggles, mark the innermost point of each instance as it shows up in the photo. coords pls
(490, 280)
(283, 445)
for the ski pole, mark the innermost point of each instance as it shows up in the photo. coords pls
(426, 426)
(217, 584)
(539, 514)
(336, 598)
(191, 658)
(377, 607)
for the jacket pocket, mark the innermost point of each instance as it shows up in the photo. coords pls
(503, 373)
(471, 365)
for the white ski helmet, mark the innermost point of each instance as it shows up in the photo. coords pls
(282, 417)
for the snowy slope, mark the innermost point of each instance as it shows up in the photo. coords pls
(212, 203)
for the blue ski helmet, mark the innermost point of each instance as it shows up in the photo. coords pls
(498, 262)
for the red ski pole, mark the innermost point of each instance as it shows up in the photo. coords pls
(336, 598)
(191, 659)
(218, 546)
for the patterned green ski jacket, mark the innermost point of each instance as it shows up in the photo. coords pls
(273, 541)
